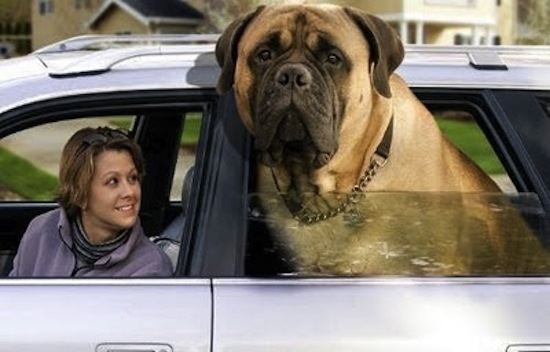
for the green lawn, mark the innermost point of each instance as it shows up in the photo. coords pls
(123, 122)
(191, 130)
(467, 136)
(21, 177)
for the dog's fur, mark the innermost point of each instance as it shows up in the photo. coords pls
(315, 85)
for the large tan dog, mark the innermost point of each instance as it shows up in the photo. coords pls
(315, 85)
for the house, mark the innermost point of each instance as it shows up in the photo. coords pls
(145, 17)
(446, 22)
(15, 27)
(55, 20)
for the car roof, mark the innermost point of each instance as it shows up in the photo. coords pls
(95, 64)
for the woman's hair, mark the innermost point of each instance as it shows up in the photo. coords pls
(77, 163)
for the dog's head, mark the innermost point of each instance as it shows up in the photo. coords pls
(303, 74)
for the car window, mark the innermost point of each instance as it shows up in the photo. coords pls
(408, 233)
(186, 153)
(29, 159)
(461, 128)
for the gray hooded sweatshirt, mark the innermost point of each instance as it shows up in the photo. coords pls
(46, 251)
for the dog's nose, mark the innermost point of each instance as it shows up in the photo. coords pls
(293, 75)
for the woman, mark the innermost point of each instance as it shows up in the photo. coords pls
(96, 231)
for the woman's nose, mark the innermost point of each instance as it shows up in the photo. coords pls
(130, 189)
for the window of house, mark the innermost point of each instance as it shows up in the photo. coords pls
(45, 6)
(83, 4)
(461, 39)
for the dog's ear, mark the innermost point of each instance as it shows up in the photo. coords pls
(226, 49)
(386, 49)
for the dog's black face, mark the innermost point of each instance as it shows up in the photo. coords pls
(295, 101)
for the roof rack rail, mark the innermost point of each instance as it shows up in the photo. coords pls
(102, 61)
(499, 49)
(486, 61)
(98, 42)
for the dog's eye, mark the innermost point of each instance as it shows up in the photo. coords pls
(264, 55)
(333, 59)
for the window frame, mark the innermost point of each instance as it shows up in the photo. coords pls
(494, 120)
(45, 7)
(133, 102)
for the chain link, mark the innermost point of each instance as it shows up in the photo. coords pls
(308, 217)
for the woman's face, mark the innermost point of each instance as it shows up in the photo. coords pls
(113, 198)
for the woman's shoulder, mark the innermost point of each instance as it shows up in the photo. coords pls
(47, 222)
(39, 237)
(153, 256)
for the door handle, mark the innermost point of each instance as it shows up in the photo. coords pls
(529, 348)
(138, 347)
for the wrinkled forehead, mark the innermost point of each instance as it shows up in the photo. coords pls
(309, 25)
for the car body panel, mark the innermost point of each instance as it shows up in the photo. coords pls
(388, 314)
(77, 315)
(194, 66)
(20, 68)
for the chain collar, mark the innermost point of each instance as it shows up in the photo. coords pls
(309, 217)
(347, 206)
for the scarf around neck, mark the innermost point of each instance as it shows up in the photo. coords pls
(88, 252)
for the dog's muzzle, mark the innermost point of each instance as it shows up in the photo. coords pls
(295, 117)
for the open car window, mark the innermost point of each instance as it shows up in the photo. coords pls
(411, 234)
(30, 157)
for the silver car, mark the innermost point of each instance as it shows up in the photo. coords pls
(230, 291)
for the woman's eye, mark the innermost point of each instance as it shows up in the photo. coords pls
(264, 56)
(112, 181)
(333, 59)
(133, 179)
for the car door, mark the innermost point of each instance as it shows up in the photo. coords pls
(105, 315)
(283, 311)
(111, 314)
(370, 314)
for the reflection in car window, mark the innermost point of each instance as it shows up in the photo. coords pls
(29, 159)
(403, 234)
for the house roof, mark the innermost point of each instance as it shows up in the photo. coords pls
(152, 11)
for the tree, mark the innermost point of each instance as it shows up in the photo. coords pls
(219, 13)
(534, 18)
(15, 11)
